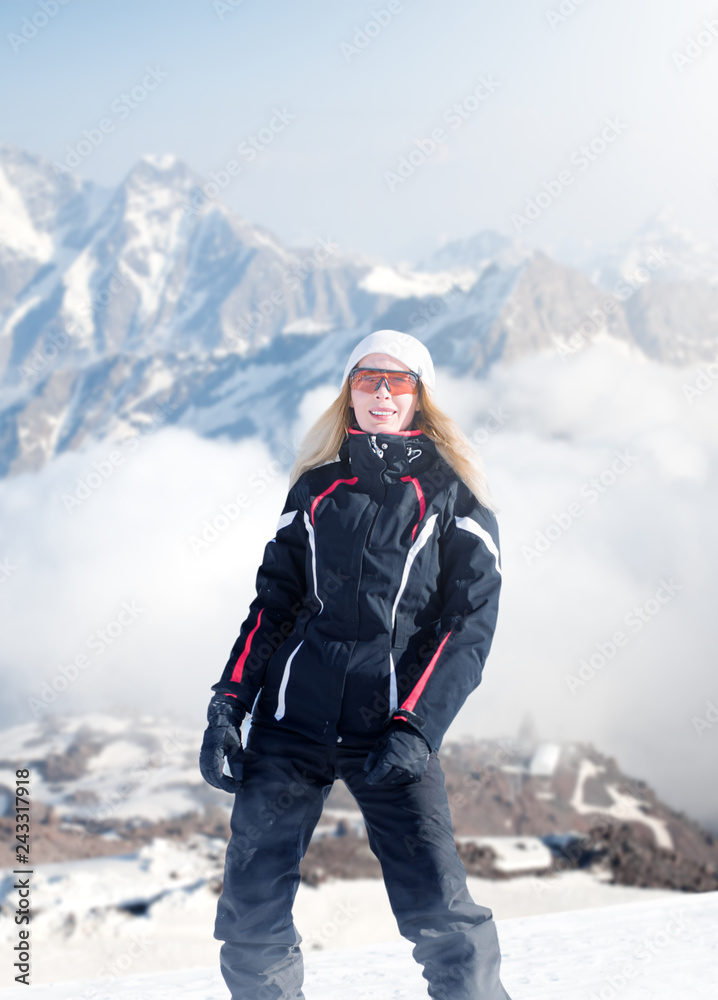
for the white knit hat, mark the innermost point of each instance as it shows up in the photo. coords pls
(401, 346)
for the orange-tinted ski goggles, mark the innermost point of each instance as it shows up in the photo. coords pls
(398, 383)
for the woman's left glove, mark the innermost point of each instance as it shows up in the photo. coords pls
(223, 738)
(400, 757)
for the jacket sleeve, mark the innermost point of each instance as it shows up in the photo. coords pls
(281, 589)
(470, 582)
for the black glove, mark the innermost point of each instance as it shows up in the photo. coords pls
(400, 757)
(223, 738)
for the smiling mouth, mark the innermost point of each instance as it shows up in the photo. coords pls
(382, 413)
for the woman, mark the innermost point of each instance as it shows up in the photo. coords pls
(375, 611)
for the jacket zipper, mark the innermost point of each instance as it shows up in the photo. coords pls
(371, 526)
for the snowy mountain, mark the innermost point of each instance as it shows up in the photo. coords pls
(152, 271)
(44, 220)
(115, 302)
(100, 783)
(475, 253)
(687, 258)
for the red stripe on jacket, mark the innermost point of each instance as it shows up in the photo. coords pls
(336, 482)
(422, 501)
(239, 665)
(411, 701)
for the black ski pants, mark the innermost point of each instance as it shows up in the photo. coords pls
(286, 780)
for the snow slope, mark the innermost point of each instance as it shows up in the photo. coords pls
(153, 911)
(642, 951)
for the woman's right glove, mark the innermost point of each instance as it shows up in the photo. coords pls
(223, 738)
(400, 757)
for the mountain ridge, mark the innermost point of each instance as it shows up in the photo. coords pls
(134, 777)
(115, 301)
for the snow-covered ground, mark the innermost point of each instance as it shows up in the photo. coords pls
(153, 911)
(133, 765)
(660, 949)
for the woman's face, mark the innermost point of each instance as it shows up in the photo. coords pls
(380, 411)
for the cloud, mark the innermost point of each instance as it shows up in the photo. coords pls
(179, 528)
(606, 479)
(175, 532)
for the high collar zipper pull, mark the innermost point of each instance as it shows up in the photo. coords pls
(375, 447)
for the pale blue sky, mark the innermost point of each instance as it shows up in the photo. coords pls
(324, 174)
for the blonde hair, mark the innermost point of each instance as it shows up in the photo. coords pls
(324, 438)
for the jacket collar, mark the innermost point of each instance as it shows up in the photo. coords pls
(402, 454)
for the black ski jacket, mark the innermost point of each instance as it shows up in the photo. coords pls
(376, 599)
